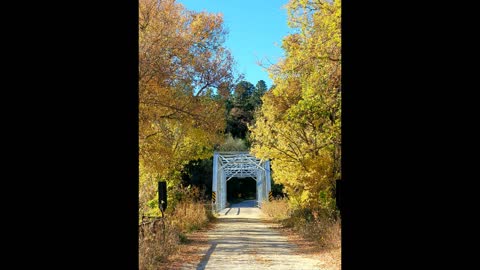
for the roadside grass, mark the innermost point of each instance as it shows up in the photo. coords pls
(318, 225)
(161, 238)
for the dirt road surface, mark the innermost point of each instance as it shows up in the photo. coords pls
(242, 241)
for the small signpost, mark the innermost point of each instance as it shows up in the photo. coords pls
(162, 202)
(338, 193)
(162, 196)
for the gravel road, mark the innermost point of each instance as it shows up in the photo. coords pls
(242, 241)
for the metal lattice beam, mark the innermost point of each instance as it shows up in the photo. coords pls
(239, 164)
(227, 165)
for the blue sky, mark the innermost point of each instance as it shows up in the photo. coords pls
(256, 29)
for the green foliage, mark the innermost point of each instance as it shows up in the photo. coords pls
(183, 238)
(277, 189)
(241, 105)
(233, 144)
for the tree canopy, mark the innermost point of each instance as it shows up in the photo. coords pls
(182, 61)
(298, 126)
(241, 105)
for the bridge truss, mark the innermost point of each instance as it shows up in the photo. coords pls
(227, 165)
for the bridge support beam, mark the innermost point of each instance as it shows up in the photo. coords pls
(241, 165)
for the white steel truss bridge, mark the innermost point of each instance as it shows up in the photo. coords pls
(227, 165)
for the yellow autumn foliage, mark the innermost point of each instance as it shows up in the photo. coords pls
(181, 62)
(298, 126)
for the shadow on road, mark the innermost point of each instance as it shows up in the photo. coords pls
(201, 265)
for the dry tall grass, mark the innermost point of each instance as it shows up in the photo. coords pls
(277, 209)
(160, 238)
(318, 225)
(157, 240)
(191, 216)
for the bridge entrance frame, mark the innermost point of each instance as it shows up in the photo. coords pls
(227, 165)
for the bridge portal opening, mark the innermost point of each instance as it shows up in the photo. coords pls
(241, 165)
(241, 189)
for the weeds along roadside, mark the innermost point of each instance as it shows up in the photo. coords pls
(161, 237)
(320, 225)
